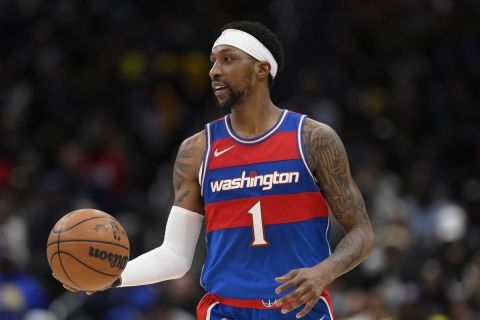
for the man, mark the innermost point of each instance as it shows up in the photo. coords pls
(262, 177)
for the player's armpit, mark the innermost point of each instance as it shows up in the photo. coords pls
(329, 161)
(185, 173)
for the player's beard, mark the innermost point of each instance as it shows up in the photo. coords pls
(234, 97)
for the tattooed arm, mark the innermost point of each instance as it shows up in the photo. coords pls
(185, 173)
(174, 257)
(327, 156)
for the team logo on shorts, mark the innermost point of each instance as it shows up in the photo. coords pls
(269, 303)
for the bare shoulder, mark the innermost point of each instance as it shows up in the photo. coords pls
(313, 128)
(193, 146)
(321, 142)
(189, 157)
(328, 157)
(198, 140)
(185, 172)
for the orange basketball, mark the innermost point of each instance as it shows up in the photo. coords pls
(87, 249)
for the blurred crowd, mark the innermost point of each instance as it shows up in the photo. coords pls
(97, 95)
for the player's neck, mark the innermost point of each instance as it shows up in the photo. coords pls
(252, 118)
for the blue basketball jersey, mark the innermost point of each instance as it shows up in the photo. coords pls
(265, 214)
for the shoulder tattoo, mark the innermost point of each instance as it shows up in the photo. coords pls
(187, 165)
(328, 158)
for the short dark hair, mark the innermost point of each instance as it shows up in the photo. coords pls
(265, 36)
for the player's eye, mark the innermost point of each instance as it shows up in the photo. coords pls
(227, 59)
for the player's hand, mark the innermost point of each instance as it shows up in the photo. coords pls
(64, 285)
(100, 290)
(309, 282)
(87, 292)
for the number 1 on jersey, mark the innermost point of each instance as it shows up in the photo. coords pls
(258, 230)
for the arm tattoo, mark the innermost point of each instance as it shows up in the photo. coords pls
(183, 164)
(185, 182)
(179, 199)
(327, 156)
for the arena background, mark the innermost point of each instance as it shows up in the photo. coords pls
(96, 96)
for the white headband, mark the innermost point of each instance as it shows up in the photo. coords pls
(248, 43)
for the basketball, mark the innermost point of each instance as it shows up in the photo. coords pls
(87, 249)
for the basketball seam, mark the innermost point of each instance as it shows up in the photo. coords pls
(60, 257)
(51, 259)
(93, 218)
(86, 265)
(86, 240)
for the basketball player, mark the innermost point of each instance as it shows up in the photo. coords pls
(264, 179)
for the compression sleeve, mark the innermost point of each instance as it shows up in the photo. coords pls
(173, 258)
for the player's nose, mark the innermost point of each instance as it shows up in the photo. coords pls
(215, 71)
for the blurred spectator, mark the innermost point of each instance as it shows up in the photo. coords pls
(20, 291)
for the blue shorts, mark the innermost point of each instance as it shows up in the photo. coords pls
(212, 307)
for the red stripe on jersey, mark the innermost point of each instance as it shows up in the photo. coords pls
(281, 146)
(275, 209)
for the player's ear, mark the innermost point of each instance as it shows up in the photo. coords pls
(263, 70)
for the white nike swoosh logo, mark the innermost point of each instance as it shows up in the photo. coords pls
(217, 153)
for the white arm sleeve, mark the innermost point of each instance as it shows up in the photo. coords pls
(173, 258)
